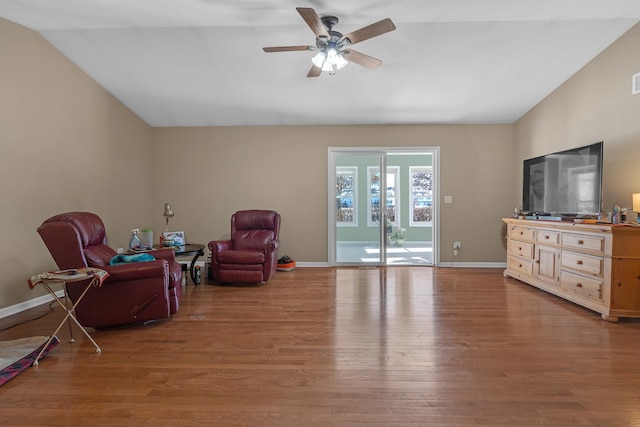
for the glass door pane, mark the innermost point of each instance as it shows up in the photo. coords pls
(356, 218)
(410, 196)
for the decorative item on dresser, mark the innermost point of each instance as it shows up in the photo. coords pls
(594, 265)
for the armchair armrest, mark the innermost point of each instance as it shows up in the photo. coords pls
(272, 246)
(216, 246)
(137, 270)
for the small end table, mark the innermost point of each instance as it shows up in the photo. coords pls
(195, 250)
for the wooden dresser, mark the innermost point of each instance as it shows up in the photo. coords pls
(594, 265)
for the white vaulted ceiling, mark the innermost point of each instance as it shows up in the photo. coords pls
(200, 62)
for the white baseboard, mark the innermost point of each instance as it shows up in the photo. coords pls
(473, 264)
(312, 264)
(25, 305)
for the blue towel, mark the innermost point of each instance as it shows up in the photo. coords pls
(125, 259)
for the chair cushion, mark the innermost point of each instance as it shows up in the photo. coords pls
(241, 257)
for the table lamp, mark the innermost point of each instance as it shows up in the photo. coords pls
(168, 213)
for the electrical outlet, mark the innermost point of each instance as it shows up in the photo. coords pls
(120, 250)
(457, 245)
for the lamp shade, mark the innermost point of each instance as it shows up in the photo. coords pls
(168, 211)
(636, 202)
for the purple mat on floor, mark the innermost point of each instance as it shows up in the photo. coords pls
(13, 350)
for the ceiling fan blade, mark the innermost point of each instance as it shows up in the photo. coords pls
(370, 31)
(362, 59)
(287, 48)
(313, 21)
(314, 71)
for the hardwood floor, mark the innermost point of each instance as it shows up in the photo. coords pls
(330, 347)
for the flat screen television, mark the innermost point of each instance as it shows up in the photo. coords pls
(567, 183)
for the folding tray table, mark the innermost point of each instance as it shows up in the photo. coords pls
(93, 276)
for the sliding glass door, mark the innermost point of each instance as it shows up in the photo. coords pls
(382, 218)
(356, 211)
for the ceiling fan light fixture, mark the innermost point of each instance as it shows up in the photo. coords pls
(318, 59)
(336, 59)
(340, 64)
(333, 48)
(329, 61)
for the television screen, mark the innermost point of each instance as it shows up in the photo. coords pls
(564, 183)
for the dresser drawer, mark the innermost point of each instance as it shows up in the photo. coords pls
(584, 286)
(592, 265)
(548, 237)
(521, 265)
(583, 242)
(522, 249)
(522, 233)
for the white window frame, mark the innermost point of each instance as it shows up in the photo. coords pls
(412, 170)
(353, 171)
(391, 170)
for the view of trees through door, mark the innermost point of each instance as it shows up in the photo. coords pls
(383, 219)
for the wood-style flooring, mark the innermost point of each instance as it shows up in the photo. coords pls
(393, 346)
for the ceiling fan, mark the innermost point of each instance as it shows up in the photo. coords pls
(334, 49)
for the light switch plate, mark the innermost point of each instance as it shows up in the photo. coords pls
(448, 199)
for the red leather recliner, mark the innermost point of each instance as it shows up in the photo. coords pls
(251, 255)
(133, 293)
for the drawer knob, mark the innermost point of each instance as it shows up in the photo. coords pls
(578, 285)
(581, 242)
(546, 237)
(579, 262)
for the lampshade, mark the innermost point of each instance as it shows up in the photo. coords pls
(168, 212)
(636, 202)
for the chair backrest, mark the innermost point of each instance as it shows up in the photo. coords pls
(76, 239)
(252, 229)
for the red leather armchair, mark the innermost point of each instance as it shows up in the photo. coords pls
(251, 255)
(133, 293)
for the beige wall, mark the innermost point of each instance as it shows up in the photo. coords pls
(594, 105)
(65, 144)
(209, 173)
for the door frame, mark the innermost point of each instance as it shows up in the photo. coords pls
(332, 152)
